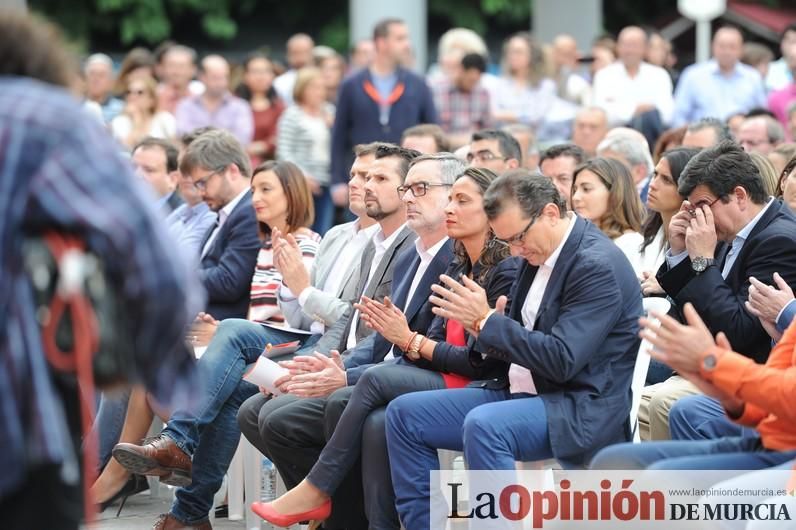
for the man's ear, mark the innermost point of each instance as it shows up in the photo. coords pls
(513, 163)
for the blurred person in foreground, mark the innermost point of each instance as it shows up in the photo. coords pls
(63, 173)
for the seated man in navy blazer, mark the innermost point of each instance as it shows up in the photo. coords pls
(727, 231)
(571, 334)
(221, 171)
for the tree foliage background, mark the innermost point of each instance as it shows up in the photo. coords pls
(120, 24)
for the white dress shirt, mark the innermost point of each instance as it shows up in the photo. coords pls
(344, 260)
(381, 245)
(520, 378)
(619, 94)
(426, 257)
(223, 213)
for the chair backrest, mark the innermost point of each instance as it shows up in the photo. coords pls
(660, 305)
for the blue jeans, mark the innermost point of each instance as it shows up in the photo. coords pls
(109, 422)
(324, 211)
(703, 418)
(493, 427)
(210, 431)
(724, 453)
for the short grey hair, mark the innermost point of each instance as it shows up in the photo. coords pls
(215, 150)
(632, 148)
(720, 128)
(98, 58)
(450, 167)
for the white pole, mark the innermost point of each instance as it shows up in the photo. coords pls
(702, 40)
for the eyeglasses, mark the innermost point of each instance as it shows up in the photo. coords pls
(519, 239)
(419, 188)
(139, 92)
(201, 184)
(700, 204)
(484, 156)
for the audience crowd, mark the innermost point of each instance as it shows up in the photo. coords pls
(461, 261)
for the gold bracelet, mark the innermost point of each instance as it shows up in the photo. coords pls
(414, 347)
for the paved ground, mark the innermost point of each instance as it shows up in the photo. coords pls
(140, 512)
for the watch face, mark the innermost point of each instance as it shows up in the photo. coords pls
(709, 363)
(699, 264)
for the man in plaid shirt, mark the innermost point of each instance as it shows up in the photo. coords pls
(462, 104)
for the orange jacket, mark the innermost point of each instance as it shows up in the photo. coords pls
(768, 391)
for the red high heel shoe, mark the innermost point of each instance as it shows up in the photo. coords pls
(267, 512)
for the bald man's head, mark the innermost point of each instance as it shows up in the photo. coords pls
(215, 76)
(631, 46)
(299, 50)
(727, 47)
(565, 51)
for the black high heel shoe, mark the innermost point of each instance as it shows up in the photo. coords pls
(135, 484)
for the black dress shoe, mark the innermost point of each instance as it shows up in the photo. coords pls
(135, 484)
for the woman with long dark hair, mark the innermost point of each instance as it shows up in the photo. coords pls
(257, 88)
(443, 359)
(663, 202)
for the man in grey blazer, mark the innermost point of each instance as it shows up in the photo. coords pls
(379, 262)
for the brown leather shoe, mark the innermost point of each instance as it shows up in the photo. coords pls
(158, 457)
(166, 521)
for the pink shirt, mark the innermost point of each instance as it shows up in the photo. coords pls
(780, 100)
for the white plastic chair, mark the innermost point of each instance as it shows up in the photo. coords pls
(660, 305)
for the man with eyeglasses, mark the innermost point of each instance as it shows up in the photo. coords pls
(760, 134)
(495, 150)
(220, 171)
(571, 334)
(727, 231)
(425, 195)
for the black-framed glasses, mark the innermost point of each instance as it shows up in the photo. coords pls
(201, 184)
(419, 188)
(702, 204)
(485, 155)
(518, 239)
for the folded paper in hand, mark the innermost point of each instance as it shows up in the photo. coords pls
(264, 373)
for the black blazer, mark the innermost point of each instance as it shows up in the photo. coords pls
(583, 347)
(770, 248)
(485, 371)
(374, 347)
(226, 270)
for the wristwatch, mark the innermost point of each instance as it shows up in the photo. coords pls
(709, 362)
(700, 263)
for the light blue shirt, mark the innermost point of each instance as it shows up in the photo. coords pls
(703, 91)
(189, 225)
(735, 250)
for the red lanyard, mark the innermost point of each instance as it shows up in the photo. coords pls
(384, 104)
(394, 96)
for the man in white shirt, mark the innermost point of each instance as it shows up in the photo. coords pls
(299, 55)
(571, 334)
(634, 92)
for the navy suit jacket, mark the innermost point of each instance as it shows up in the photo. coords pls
(357, 117)
(770, 248)
(373, 348)
(226, 270)
(583, 348)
